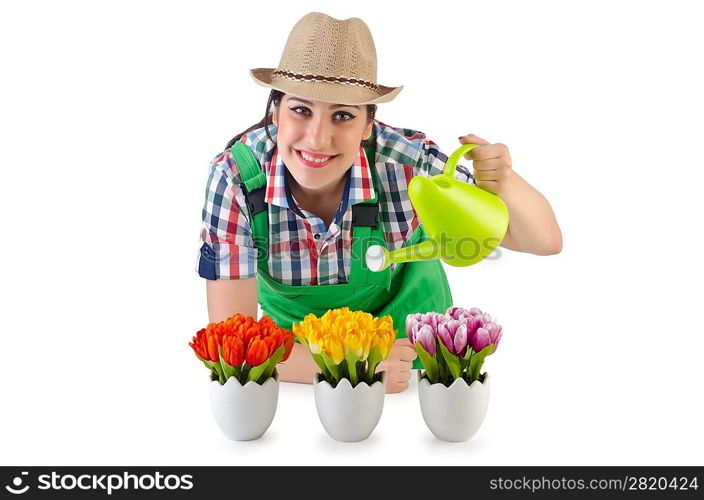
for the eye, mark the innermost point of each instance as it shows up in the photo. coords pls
(345, 113)
(295, 110)
(346, 116)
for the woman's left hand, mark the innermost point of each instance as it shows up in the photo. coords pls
(491, 162)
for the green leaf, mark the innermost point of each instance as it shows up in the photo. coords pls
(344, 372)
(218, 364)
(244, 376)
(351, 360)
(208, 365)
(321, 364)
(464, 361)
(429, 363)
(215, 367)
(451, 361)
(361, 370)
(256, 372)
(442, 372)
(272, 362)
(227, 370)
(477, 360)
(262, 372)
(373, 360)
(332, 367)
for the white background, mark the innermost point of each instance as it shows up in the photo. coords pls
(110, 112)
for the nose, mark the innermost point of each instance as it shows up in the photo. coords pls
(318, 134)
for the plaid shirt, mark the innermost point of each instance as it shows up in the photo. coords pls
(302, 251)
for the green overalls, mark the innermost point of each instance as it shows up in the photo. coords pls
(412, 287)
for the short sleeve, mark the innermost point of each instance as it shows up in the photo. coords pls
(227, 250)
(432, 162)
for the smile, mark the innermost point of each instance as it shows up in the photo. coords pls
(308, 161)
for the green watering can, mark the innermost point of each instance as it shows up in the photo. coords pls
(463, 223)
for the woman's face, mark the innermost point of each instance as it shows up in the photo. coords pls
(312, 128)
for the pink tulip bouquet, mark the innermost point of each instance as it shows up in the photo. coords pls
(454, 344)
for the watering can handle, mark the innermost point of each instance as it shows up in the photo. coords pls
(455, 157)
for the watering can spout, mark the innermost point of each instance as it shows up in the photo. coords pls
(463, 223)
(379, 258)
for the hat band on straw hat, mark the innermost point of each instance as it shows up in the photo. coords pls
(325, 79)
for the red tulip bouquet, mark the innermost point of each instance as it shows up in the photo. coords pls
(454, 344)
(242, 347)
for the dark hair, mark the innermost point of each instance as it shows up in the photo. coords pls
(274, 99)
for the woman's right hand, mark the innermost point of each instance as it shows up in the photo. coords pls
(398, 366)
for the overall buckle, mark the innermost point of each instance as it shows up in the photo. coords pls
(255, 199)
(365, 215)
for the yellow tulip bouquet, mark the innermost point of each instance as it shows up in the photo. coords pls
(347, 344)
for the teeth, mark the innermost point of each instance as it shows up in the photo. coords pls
(314, 160)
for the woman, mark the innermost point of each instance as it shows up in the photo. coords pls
(289, 227)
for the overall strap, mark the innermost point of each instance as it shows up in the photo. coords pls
(367, 230)
(254, 188)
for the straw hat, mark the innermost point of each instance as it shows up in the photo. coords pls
(326, 59)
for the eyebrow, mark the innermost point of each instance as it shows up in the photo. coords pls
(333, 106)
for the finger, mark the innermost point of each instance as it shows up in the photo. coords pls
(491, 186)
(392, 382)
(488, 152)
(473, 139)
(396, 380)
(399, 372)
(407, 354)
(395, 388)
(403, 371)
(486, 175)
(491, 164)
(402, 386)
(491, 175)
(403, 342)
